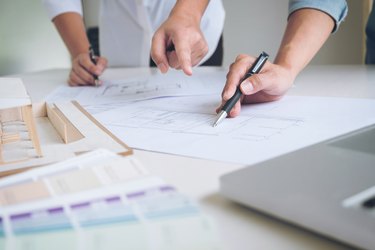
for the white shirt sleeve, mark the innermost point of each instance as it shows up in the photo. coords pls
(57, 7)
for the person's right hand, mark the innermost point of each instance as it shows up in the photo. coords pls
(270, 84)
(83, 70)
(184, 33)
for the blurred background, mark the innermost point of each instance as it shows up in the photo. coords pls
(29, 41)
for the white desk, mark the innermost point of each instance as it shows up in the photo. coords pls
(239, 227)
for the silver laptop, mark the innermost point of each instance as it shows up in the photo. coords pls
(328, 188)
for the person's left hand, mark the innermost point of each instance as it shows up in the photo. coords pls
(184, 34)
(269, 85)
(83, 69)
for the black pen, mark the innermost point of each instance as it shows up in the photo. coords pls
(92, 58)
(227, 107)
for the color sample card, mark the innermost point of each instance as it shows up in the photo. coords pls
(112, 205)
(74, 181)
(159, 217)
(90, 171)
(99, 200)
(24, 192)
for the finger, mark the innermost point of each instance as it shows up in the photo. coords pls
(71, 83)
(158, 51)
(75, 80)
(235, 110)
(173, 60)
(198, 54)
(255, 83)
(260, 97)
(218, 109)
(183, 52)
(84, 75)
(196, 57)
(85, 62)
(236, 71)
(101, 65)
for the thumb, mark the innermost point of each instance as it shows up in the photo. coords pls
(253, 84)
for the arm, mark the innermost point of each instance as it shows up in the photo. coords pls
(72, 30)
(306, 32)
(182, 29)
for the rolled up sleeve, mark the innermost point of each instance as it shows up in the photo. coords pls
(57, 7)
(337, 9)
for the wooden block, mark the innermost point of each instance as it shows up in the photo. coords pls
(10, 114)
(68, 132)
(30, 124)
(9, 138)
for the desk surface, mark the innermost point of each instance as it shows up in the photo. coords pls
(239, 227)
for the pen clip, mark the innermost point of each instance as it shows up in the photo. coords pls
(92, 55)
(258, 64)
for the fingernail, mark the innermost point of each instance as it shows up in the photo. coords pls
(162, 67)
(218, 109)
(189, 71)
(100, 69)
(247, 87)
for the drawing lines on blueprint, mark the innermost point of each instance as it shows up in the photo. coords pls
(251, 127)
(183, 126)
(136, 87)
(262, 127)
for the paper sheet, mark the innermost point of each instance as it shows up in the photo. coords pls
(182, 126)
(118, 92)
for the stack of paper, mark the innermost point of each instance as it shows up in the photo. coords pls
(98, 200)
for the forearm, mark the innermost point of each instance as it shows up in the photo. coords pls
(190, 9)
(306, 32)
(72, 30)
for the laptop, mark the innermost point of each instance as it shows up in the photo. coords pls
(328, 187)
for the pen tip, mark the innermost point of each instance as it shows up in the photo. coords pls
(219, 117)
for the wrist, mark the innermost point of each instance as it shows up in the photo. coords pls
(288, 62)
(191, 10)
(79, 51)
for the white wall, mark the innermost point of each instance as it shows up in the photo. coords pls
(253, 26)
(29, 41)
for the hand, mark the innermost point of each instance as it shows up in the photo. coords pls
(182, 32)
(83, 70)
(269, 85)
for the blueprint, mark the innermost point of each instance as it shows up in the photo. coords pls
(183, 126)
(117, 92)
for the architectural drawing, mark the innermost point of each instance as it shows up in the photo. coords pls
(183, 126)
(114, 92)
(248, 127)
(135, 87)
